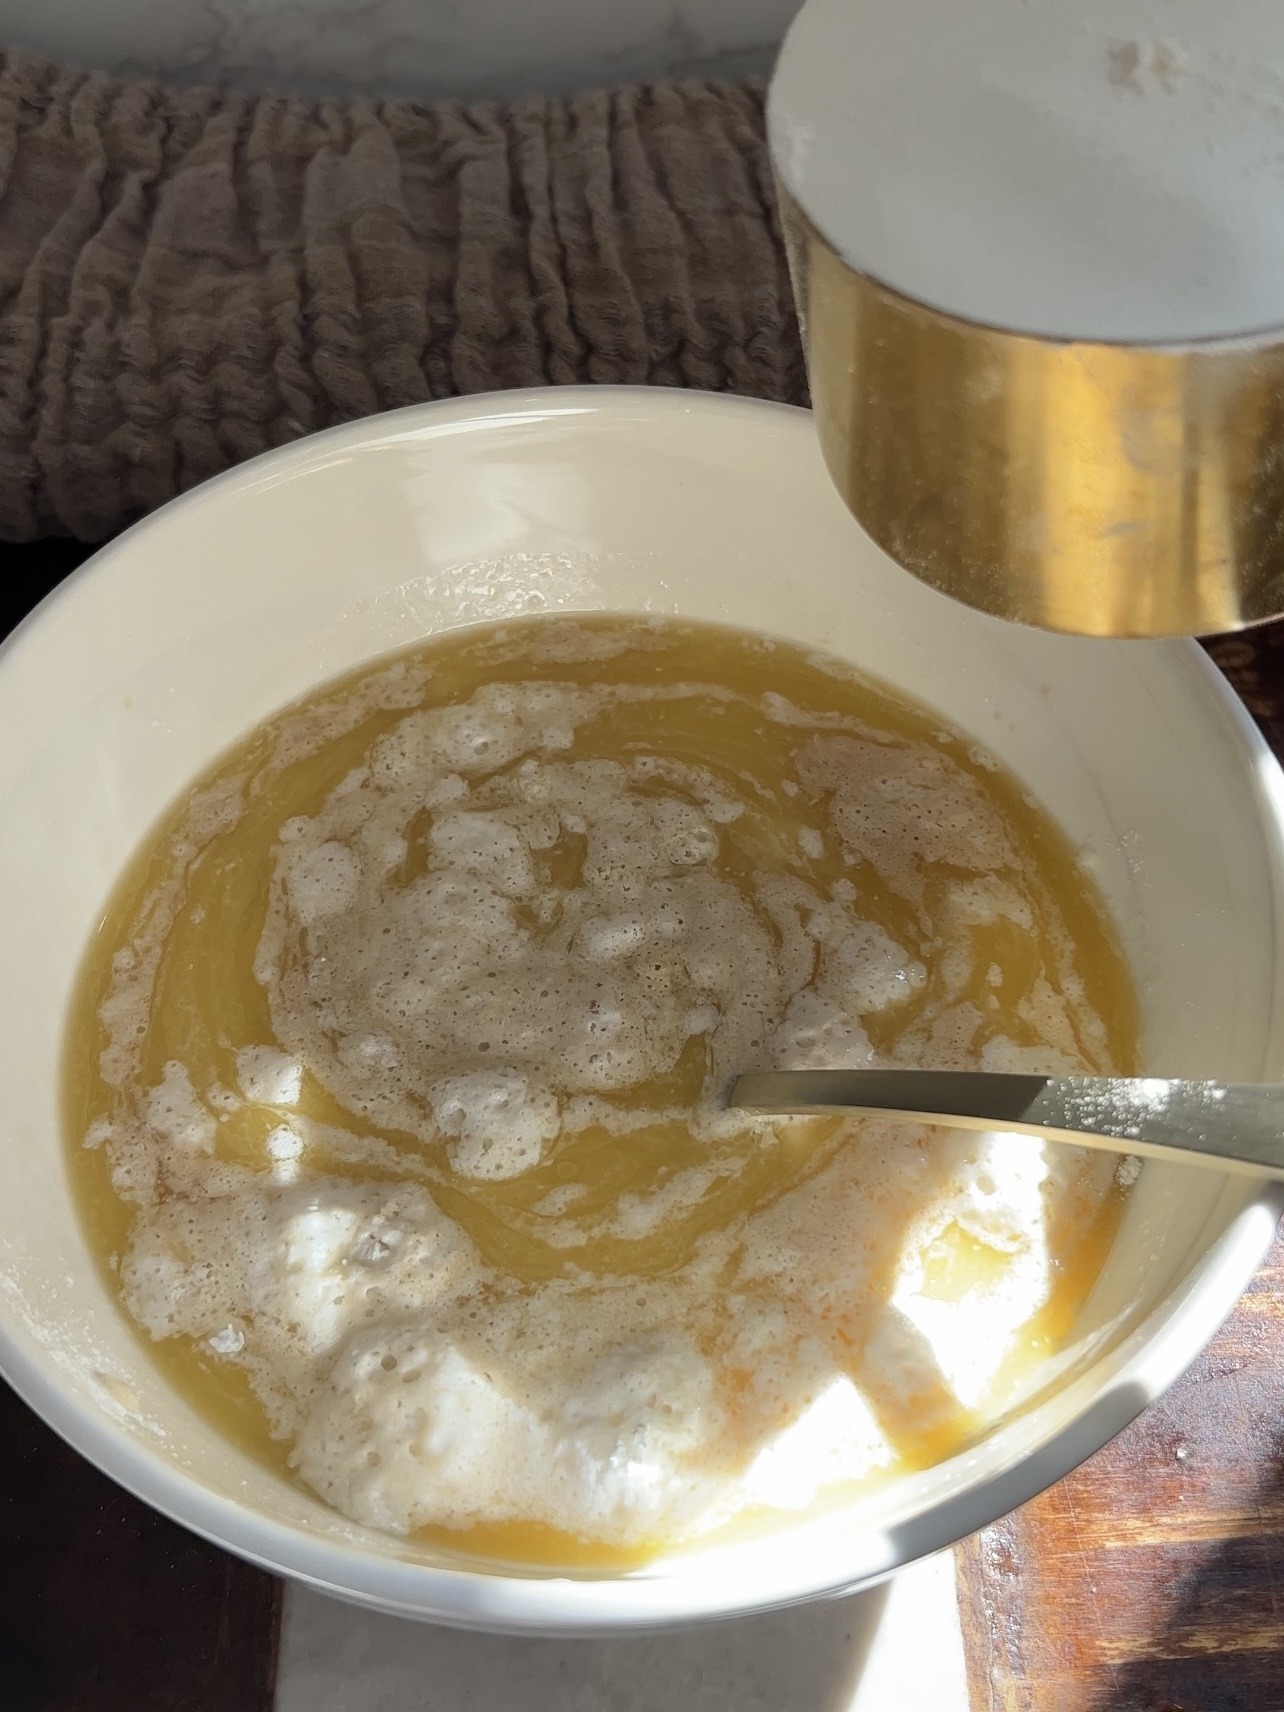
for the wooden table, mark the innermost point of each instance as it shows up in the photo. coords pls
(1150, 1580)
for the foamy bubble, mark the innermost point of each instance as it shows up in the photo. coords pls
(817, 1034)
(902, 808)
(177, 1116)
(645, 945)
(414, 1430)
(486, 846)
(269, 1076)
(284, 1147)
(99, 1131)
(500, 1121)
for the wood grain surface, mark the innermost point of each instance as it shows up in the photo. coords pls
(1152, 1578)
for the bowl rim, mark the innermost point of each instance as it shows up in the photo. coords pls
(1160, 1348)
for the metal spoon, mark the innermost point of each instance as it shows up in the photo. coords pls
(1228, 1126)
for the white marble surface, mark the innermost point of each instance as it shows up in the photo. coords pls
(423, 49)
(897, 1649)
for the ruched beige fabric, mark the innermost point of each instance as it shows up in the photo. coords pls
(188, 278)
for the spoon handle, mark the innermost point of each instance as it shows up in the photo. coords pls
(1230, 1126)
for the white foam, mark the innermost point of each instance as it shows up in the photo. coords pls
(284, 1147)
(449, 975)
(1127, 1171)
(414, 1430)
(817, 1034)
(836, 1439)
(998, 1200)
(177, 1116)
(322, 881)
(501, 1123)
(269, 1076)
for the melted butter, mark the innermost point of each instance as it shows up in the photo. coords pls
(537, 1544)
(207, 1003)
(958, 1262)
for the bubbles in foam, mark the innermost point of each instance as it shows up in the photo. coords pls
(177, 1116)
(269, 1076)
(499, 1122)
(322, 881)
(482, 962)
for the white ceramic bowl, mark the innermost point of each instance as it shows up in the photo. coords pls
(208, 616)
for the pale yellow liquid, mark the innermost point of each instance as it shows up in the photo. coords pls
(206, 1001)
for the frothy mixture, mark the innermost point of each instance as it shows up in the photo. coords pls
(398, 1074)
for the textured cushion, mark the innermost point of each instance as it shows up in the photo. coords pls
(188, 278)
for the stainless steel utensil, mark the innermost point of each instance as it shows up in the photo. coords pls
(1228, 1126)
